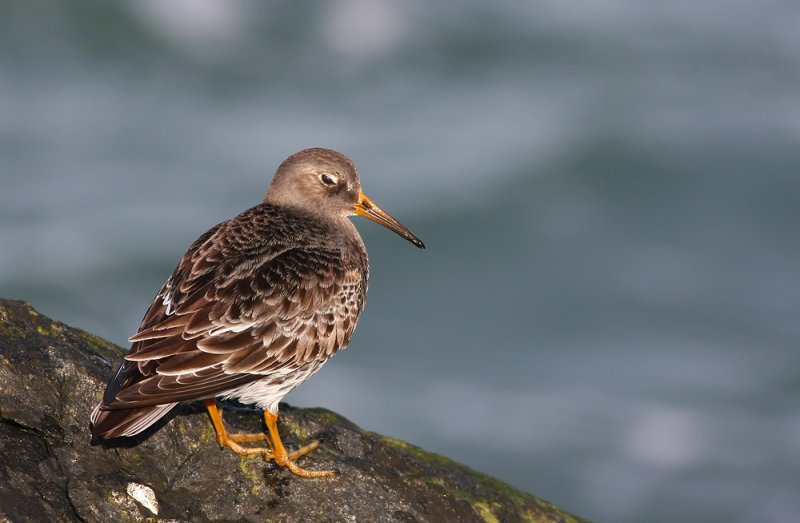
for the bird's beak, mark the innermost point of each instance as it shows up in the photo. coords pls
(364, 207)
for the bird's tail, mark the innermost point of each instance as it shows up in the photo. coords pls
(113, 423)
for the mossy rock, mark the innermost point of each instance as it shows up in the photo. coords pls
(51, 377)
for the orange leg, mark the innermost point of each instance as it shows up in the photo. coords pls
(232, 440)
(276, 450)
(284, 459)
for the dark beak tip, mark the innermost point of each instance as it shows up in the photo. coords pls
(415, 241)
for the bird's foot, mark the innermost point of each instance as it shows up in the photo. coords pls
(246, 451)
(289, 461)
(283, 458)
(232, 441)
(274, 451)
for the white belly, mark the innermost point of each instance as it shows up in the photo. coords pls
(268, 391)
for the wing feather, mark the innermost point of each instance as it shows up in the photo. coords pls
(240, 307)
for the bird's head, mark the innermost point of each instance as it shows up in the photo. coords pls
(326, 182)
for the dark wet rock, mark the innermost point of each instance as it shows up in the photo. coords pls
(52, 375)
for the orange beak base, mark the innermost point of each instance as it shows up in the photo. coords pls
(366, 208)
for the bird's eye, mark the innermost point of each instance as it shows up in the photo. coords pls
(327, 179)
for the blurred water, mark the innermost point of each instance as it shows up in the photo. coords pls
(607, 311)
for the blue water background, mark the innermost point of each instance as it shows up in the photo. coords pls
(608, 313)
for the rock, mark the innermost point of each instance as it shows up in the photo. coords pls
(52, 375)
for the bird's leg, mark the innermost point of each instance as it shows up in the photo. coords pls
(232, 440)
(285, 459)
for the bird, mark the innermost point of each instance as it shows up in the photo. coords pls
(254, 308)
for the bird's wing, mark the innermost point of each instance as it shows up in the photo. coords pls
(234, 311)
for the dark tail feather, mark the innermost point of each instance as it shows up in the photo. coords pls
(115, 423)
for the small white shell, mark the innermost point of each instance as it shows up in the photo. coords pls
(144, 495)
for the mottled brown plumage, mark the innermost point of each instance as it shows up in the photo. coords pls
(256, 305)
